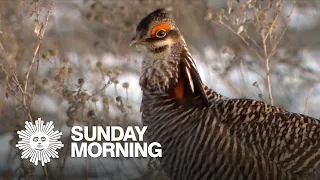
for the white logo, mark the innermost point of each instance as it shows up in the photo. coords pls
(39, 142)
(112, 141)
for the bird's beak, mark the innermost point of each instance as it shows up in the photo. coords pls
(133, 41)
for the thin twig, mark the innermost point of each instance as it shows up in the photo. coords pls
(4, 51)
(14, 79)
(273, 25)
(307, 101)
(4, 92)
(264, 52)
(252, 40)
(283, 32)
(273, 50)
(30, 6)
(264, 37)
(103, 88)
(241, 37)
(13, 93)
(40, 38)
(269, 80)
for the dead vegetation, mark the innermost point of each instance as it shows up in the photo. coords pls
(53, 61)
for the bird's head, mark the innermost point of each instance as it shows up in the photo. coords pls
(156, 33)
(167, 65)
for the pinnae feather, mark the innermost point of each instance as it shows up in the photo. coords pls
(190, 79)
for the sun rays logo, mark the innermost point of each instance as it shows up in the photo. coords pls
(39, 142)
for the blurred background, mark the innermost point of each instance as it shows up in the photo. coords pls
(68, 61)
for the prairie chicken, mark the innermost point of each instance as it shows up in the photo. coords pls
(205, 135)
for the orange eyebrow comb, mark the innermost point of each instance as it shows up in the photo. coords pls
(160, 26)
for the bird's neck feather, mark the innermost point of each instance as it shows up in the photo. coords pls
(161, 71)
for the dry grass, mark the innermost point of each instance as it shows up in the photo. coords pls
(56, 50)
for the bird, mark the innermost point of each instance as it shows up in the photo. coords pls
(205, 135)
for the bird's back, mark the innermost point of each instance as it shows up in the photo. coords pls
(197, 146)
(288, 139)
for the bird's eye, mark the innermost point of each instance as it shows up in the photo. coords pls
(161, 33)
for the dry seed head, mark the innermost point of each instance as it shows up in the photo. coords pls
(255, 84)
(70, 70)
(64, 70)
(262, 16)
(241, 6)
(221, 12)
(260, 96)
(65, 60)
(99, 64)
(65, 92)
(80, 81)
(114, 80)
(118, 98)
(118, 71)
(126, 85)
(53, 52)
(209, 15)
(250, 4)
(69, 96)
(224, 50)
(83, 104)
(91, 113)
(45, 81)
(45, 56)
(96, 5)
(83, 96)
(90, 16)
(107, 100)
(220, 15)
(109, 73)
(58, 78)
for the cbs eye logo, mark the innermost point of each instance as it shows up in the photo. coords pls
(39, 142)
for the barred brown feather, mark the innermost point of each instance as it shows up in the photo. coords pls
(196, 145)
(205, 135)
(288, 139)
